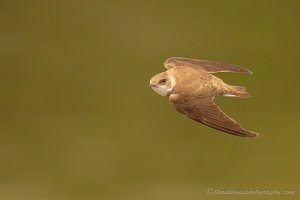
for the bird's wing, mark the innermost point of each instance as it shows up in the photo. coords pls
(205, 111)
(210, 66)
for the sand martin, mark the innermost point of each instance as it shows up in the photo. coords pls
(191, 87)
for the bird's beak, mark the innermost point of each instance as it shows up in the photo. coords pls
(151, 85)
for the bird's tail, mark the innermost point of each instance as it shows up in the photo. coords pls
(236, 91)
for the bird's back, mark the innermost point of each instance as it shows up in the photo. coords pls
(193, 82)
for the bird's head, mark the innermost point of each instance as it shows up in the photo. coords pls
(162, 83)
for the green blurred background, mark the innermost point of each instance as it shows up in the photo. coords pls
(78, 120)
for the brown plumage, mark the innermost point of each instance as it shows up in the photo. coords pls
(191, 88)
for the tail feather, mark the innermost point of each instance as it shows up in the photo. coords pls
(237, 91)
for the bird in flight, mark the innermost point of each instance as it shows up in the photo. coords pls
(191, 88)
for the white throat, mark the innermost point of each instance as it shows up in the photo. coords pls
(162, 90)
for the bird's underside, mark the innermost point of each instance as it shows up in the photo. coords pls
(201, 107)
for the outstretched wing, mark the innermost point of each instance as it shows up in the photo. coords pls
(205, 111)
(210, 66)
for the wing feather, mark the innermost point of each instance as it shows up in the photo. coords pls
(210, 66)
(205, 111)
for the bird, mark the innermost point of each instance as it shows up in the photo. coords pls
(190, 86)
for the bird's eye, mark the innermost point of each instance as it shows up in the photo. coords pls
(162, 80)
